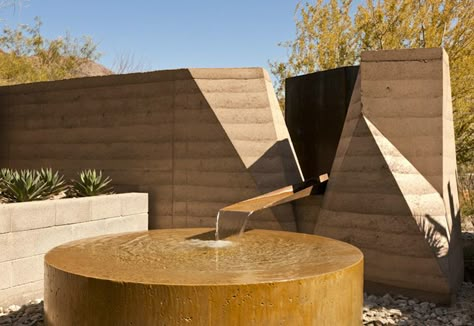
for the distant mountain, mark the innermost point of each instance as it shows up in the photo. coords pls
(27, 69)
(92, 68)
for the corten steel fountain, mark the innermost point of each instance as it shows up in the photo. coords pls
(174, 277)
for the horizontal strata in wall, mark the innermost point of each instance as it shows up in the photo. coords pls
(196, 140)
(392, 190)
(28, 230)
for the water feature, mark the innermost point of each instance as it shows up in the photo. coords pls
(171, 277)
(207, 277)
(233, 219)
(231, 222)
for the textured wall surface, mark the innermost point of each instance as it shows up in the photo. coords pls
(392, 190)
(315, 110)
(29, 230)
(195, 139)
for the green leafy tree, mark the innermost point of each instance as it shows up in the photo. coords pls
(26, 56)
(324, 40)
(327, 36)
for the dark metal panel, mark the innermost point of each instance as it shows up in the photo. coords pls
(315, 109)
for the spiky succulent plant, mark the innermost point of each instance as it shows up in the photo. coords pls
(91, 183)
(24, 185)
(6, 176)
(55, 184)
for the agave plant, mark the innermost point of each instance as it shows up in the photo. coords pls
(6, 175)
(91, 183)
(24, 185)
(55, 184)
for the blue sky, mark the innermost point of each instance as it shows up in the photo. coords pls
(171, 34)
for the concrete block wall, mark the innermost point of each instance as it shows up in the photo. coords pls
(392, 189)
(28, 230)
(196, 140)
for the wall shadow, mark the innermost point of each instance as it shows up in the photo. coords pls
(154, 132)
(365, 185)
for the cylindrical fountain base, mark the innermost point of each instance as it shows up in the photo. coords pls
(176, 277)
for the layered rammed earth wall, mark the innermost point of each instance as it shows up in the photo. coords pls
(196, 140)
(392, 191)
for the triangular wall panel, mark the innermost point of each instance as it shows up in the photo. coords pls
(392, 189)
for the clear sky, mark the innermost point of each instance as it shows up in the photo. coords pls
(170, 34)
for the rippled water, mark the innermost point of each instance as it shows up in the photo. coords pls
(210, 243)
(191, 256)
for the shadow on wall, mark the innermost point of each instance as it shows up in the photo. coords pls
(268, 176)
(379, 211)
(456, 243)
(454, 255)
(436, 228)
(277, 167)
(153, 132)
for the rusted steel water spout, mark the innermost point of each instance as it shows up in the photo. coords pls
(233, 218)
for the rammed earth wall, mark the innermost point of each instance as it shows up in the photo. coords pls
(196, 140)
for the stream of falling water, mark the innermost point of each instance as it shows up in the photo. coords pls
(244, 225)
(217, 225)
(234, 223)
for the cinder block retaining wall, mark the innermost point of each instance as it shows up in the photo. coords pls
(28, 230)
(196, 140)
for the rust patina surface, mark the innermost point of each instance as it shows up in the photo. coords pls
(181, 276)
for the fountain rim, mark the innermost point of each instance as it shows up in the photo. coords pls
(357, 262)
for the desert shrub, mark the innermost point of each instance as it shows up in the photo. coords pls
(29, 185)
(25, 185)
(466, 191)
(55, 184)
(6, 175)
(91, 183)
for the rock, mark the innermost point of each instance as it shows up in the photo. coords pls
(387, 300)
(14, 307)
(402, 305)
(36, 301)
(372, 298)
(400, 310)
(440, 311)
(417, 315)
(370, 305)
(395, 312)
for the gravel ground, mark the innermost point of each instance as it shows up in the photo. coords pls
(30, 314)
(386, 310)
(399, 310)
